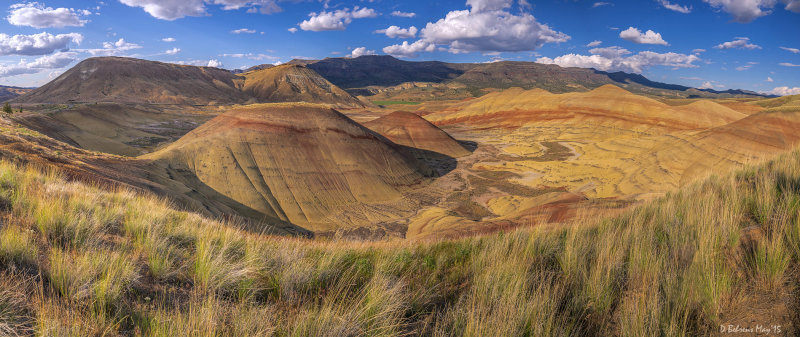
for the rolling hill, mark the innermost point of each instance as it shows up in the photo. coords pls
(305, 164)
(406, 128)
(9, 93)
(295, 83)
(128, 80)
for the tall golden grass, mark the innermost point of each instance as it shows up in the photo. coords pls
(78, 260)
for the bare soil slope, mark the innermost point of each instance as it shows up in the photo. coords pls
(409, 129)
(128, 130)
(295, 83)
(306, 164)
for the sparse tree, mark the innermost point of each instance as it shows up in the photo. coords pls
(7, 108)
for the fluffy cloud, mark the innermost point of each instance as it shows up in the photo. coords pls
(292, 30)
(409, 50)
(361, 51)
(785, 91)
(636, 36)
(176, 9)
(397, 32)
(675, 7)
(487, 27)
(404, 14)
(739, 42)
(243, 31)
(36, 15)
(336, 20)
(600, 4)
(698, 51)
(54, 61)
(37, 44)
(168, 39)
(744, 11)
(621, 59)
(214, 63)
(112, 48)
(594, 43)
(787, 64)
(793, 50)
(173, 51)
(769, 79)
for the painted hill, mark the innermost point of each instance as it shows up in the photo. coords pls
(605, 105)
(295, 83)
(411, 130)
(306, 164)
(128, 80)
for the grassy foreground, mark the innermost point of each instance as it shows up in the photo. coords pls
(76, 260)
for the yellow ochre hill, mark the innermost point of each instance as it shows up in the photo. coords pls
(303, 163)
(294, 83)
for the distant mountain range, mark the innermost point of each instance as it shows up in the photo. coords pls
(129, 80)
(383, 70)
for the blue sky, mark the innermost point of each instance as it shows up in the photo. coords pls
(720, 44)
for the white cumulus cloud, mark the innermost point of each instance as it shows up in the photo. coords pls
(792, 50)
(409, 50)
(487, 27)
(787, 64)
(636, 36)
(335, 20)
(621, 59)
(361, 51)
(785, 91)
(173, 51)
(214, 63)
(37, 44)
(36, 15)
(168, 39)
(739, 42)
(397, 32)
(176, 9)
(54, 61)
(744, 11)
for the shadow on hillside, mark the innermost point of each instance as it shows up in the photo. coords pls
(439, 164)
(468, 144)
(185, 188)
